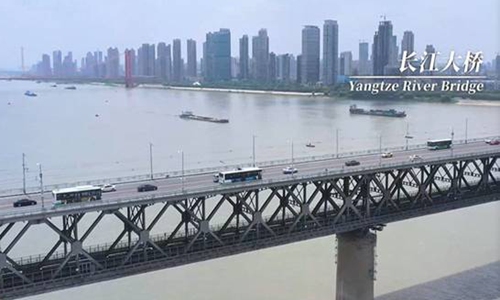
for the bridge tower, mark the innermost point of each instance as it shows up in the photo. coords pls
(128, 69)
(356, 265)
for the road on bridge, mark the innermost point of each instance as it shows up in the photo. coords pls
(200, 181)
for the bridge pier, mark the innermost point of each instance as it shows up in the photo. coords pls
(356, 265)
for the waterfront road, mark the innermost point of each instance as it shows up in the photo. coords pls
(173, 184)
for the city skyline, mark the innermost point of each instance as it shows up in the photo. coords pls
(131, 30)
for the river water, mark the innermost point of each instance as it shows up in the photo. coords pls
(101, 131)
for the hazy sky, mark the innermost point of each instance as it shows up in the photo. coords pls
(41, 26)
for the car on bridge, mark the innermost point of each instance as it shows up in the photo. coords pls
(351, 163)
(24, 202)
(386, 155)
(290, 170)
(493, 142)
(414, 158)
(146, 188)
(108, 188)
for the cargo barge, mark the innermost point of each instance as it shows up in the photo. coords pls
(188, 115)
(377, 112)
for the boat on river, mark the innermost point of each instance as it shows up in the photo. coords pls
(188, 115)
(353, 109)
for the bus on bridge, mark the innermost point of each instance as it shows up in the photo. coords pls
(439, 144)
(242, 174)
(77, 194)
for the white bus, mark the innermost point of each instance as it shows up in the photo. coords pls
(240, 175)
(77, 194)
(439, 144)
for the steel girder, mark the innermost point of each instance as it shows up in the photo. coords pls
(218, 225)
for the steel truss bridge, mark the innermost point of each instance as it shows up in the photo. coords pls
(230, 219)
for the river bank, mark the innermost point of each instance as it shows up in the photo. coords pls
(239, 91)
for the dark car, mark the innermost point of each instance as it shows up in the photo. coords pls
(24, 202)
(351, 163)
(147, 188)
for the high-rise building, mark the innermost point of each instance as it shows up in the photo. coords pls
(429, 60)
(272, 67)
(235, 67)
(133, 61)
(310, 54)
(57, 63)
(243, 74)
(161, 61)
(284, 67)
(68, 65)
(408, 42)
(99, 66)
(113, 63)
(498, 66)
(393, 51)
(260, 53)
(363, 65)
(146, 60)
(169, 62)
(293, 68)
(177, 61)
(152, 60)
(217, 55)
(43, 67)
(191, 58)
(299, 68)
(382, 41)
(345, 63)
(330, 51)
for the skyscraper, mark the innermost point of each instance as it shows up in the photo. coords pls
(177, 62)
(381, 47)
(43, 67)
(429, 60)
(146, 60)
(408, 42)
(310, 55)
(152, 60)
(345, 63)
(363, 65)
(113, 63)
(393, 51)
(260, 54)
(169, 62)
(161, 65)
(68, 65)
(243, 74)
(272, 67)
(299, 68)
(330, 52)
(217, 59)
(191, 58)
(498, 66)
(284, 67)
(57, 63)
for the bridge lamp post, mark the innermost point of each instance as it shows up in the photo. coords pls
(151, 159)
(380, 150)
(253, 149)
(407, 136)
(41, 183)
(181, 152)
(466, 125)
(452, 135)
(337, 143)
(291, 142)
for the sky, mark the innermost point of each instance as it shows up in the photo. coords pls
(41, 26)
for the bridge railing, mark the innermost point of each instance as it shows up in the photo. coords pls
(209, 170)
(221, 188)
